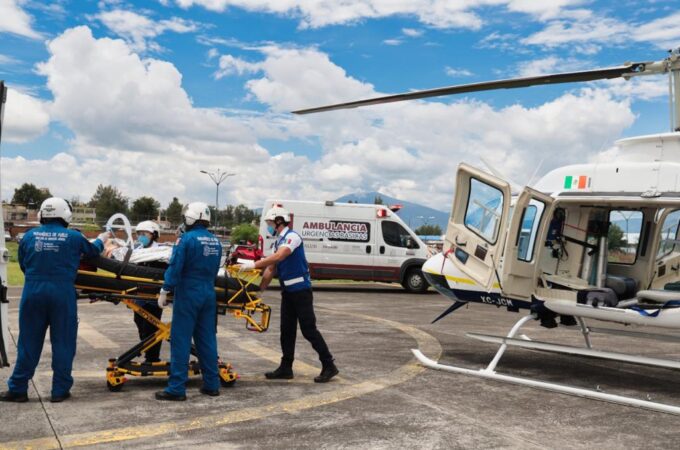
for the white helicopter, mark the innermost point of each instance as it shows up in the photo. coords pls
(588, 241)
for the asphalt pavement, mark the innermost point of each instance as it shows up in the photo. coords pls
(382, 399)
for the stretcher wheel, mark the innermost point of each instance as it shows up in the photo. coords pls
(114, 387)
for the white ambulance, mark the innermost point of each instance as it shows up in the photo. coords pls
(354, 242)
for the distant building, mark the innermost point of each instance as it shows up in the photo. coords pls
(83, 215)
(18, 214)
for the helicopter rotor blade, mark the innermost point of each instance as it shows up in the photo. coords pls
(558, 78)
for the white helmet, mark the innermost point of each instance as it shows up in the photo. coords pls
(149, 226)
(277, 211)
(196, 211)
(55, 208)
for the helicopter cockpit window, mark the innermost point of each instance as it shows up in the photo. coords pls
(484, 210)
(624, 236)
(531, 219)
(669, 235)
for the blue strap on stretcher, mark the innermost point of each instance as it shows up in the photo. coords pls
(644, 312)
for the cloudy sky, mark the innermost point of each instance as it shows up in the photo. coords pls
(143, 95)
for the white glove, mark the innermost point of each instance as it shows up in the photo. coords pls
(105, 236)
(248, 264)
(163, 298)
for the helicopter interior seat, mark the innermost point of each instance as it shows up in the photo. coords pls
(658, 296)
(585, 293)
(624, 287)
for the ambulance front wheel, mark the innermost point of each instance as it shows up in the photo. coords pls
(414, 281)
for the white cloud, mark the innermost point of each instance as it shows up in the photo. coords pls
(589, 31)
(13, 19)
(296, 78)
(134, 126)
(412, 32)
(26, 117)
(230, 65)
(639, 88)
(552, 64)
(435, 13)
(393, 42)
(410, 150)
(543, 9)
(664, 32)
(139, 30)
(453, 72)
(8, 60)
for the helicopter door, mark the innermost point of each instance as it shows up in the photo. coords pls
(528, 223)
(476, 230)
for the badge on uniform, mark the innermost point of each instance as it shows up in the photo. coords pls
(290, 241)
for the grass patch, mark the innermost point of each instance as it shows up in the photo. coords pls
(15, 277)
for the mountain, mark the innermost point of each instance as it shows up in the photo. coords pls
(413, 214)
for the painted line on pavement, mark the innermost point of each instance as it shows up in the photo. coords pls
(94, 337)
(426, 342)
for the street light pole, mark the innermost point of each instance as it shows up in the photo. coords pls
(217, 177)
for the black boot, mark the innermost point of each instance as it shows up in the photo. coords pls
(209, 392)
(283, 372)
(328, 371)
(9, 396)
(162, 395)
(60, 398)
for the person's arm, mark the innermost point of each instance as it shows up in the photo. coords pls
(174, 270)
(22, 254)
(281, 254)
(90, 249)
(267, 277)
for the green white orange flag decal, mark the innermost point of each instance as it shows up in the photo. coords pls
(575, 182)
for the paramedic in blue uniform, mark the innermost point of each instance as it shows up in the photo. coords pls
(49, 256)
(290, 264)
(148, 233)
(190, 277)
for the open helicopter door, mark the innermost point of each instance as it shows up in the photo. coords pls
(476, 231)
(529, 221)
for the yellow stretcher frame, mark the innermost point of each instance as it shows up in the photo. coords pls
(242, 304)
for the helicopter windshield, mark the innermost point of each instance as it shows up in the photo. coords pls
(669, 234)
(484, 210)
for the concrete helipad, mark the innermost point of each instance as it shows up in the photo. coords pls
(382, 399)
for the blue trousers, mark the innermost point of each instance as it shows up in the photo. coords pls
(194, 314)
(46, 304)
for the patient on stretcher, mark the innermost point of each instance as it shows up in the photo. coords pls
(116, 250)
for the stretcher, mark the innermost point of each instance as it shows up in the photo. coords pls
(236, 294)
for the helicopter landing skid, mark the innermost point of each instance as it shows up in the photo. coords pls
(490, 373)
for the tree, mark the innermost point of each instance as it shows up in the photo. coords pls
(75, 201)
(144, 208)
(616, 238)
(429, 230)
(174, 212)
(243, 214)
(378, 200)
(30, 194)
(226, 217)
(107, 201)
(244, 232)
